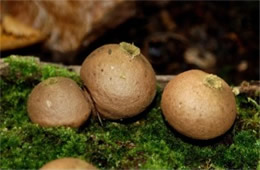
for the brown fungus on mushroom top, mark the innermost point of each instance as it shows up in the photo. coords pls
(121, 84)
(58, 101)
(199, 105)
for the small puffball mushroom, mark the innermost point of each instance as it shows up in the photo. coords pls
(58, 101)
(68, 163)
(199, 105)
(121, 81)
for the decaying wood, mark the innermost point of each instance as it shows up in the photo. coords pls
(3, 68)
(250, 88)
(162, 80)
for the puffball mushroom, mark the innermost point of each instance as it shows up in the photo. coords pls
(121, 81)
(199, 105)
(68, 163)
(58, 101)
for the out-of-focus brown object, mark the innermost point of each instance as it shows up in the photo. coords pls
(251, 88)
(200, 57)
(14, 34)
(69, 23)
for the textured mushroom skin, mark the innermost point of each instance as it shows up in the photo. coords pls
(197, 109)
(121, 85)
(58, 101)
(68, 163)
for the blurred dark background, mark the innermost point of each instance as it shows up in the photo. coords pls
(218, 37)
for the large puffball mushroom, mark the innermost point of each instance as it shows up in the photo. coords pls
(199, 105)
(120, 79)
(68, 163)
(58, 101)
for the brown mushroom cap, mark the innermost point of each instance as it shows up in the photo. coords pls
(120, 79)
(58, 101)
(199, 105)
(68, 163)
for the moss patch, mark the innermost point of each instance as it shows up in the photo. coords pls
(145, 142)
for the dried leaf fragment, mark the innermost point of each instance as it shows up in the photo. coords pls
(14, 34)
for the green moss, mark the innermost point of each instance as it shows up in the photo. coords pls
(145, 142)
(52, 71)
(248, 113)
(24, 69)
(29, 146)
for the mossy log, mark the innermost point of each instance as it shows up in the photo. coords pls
(162, 80)
(249, 88)
(142, 142)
